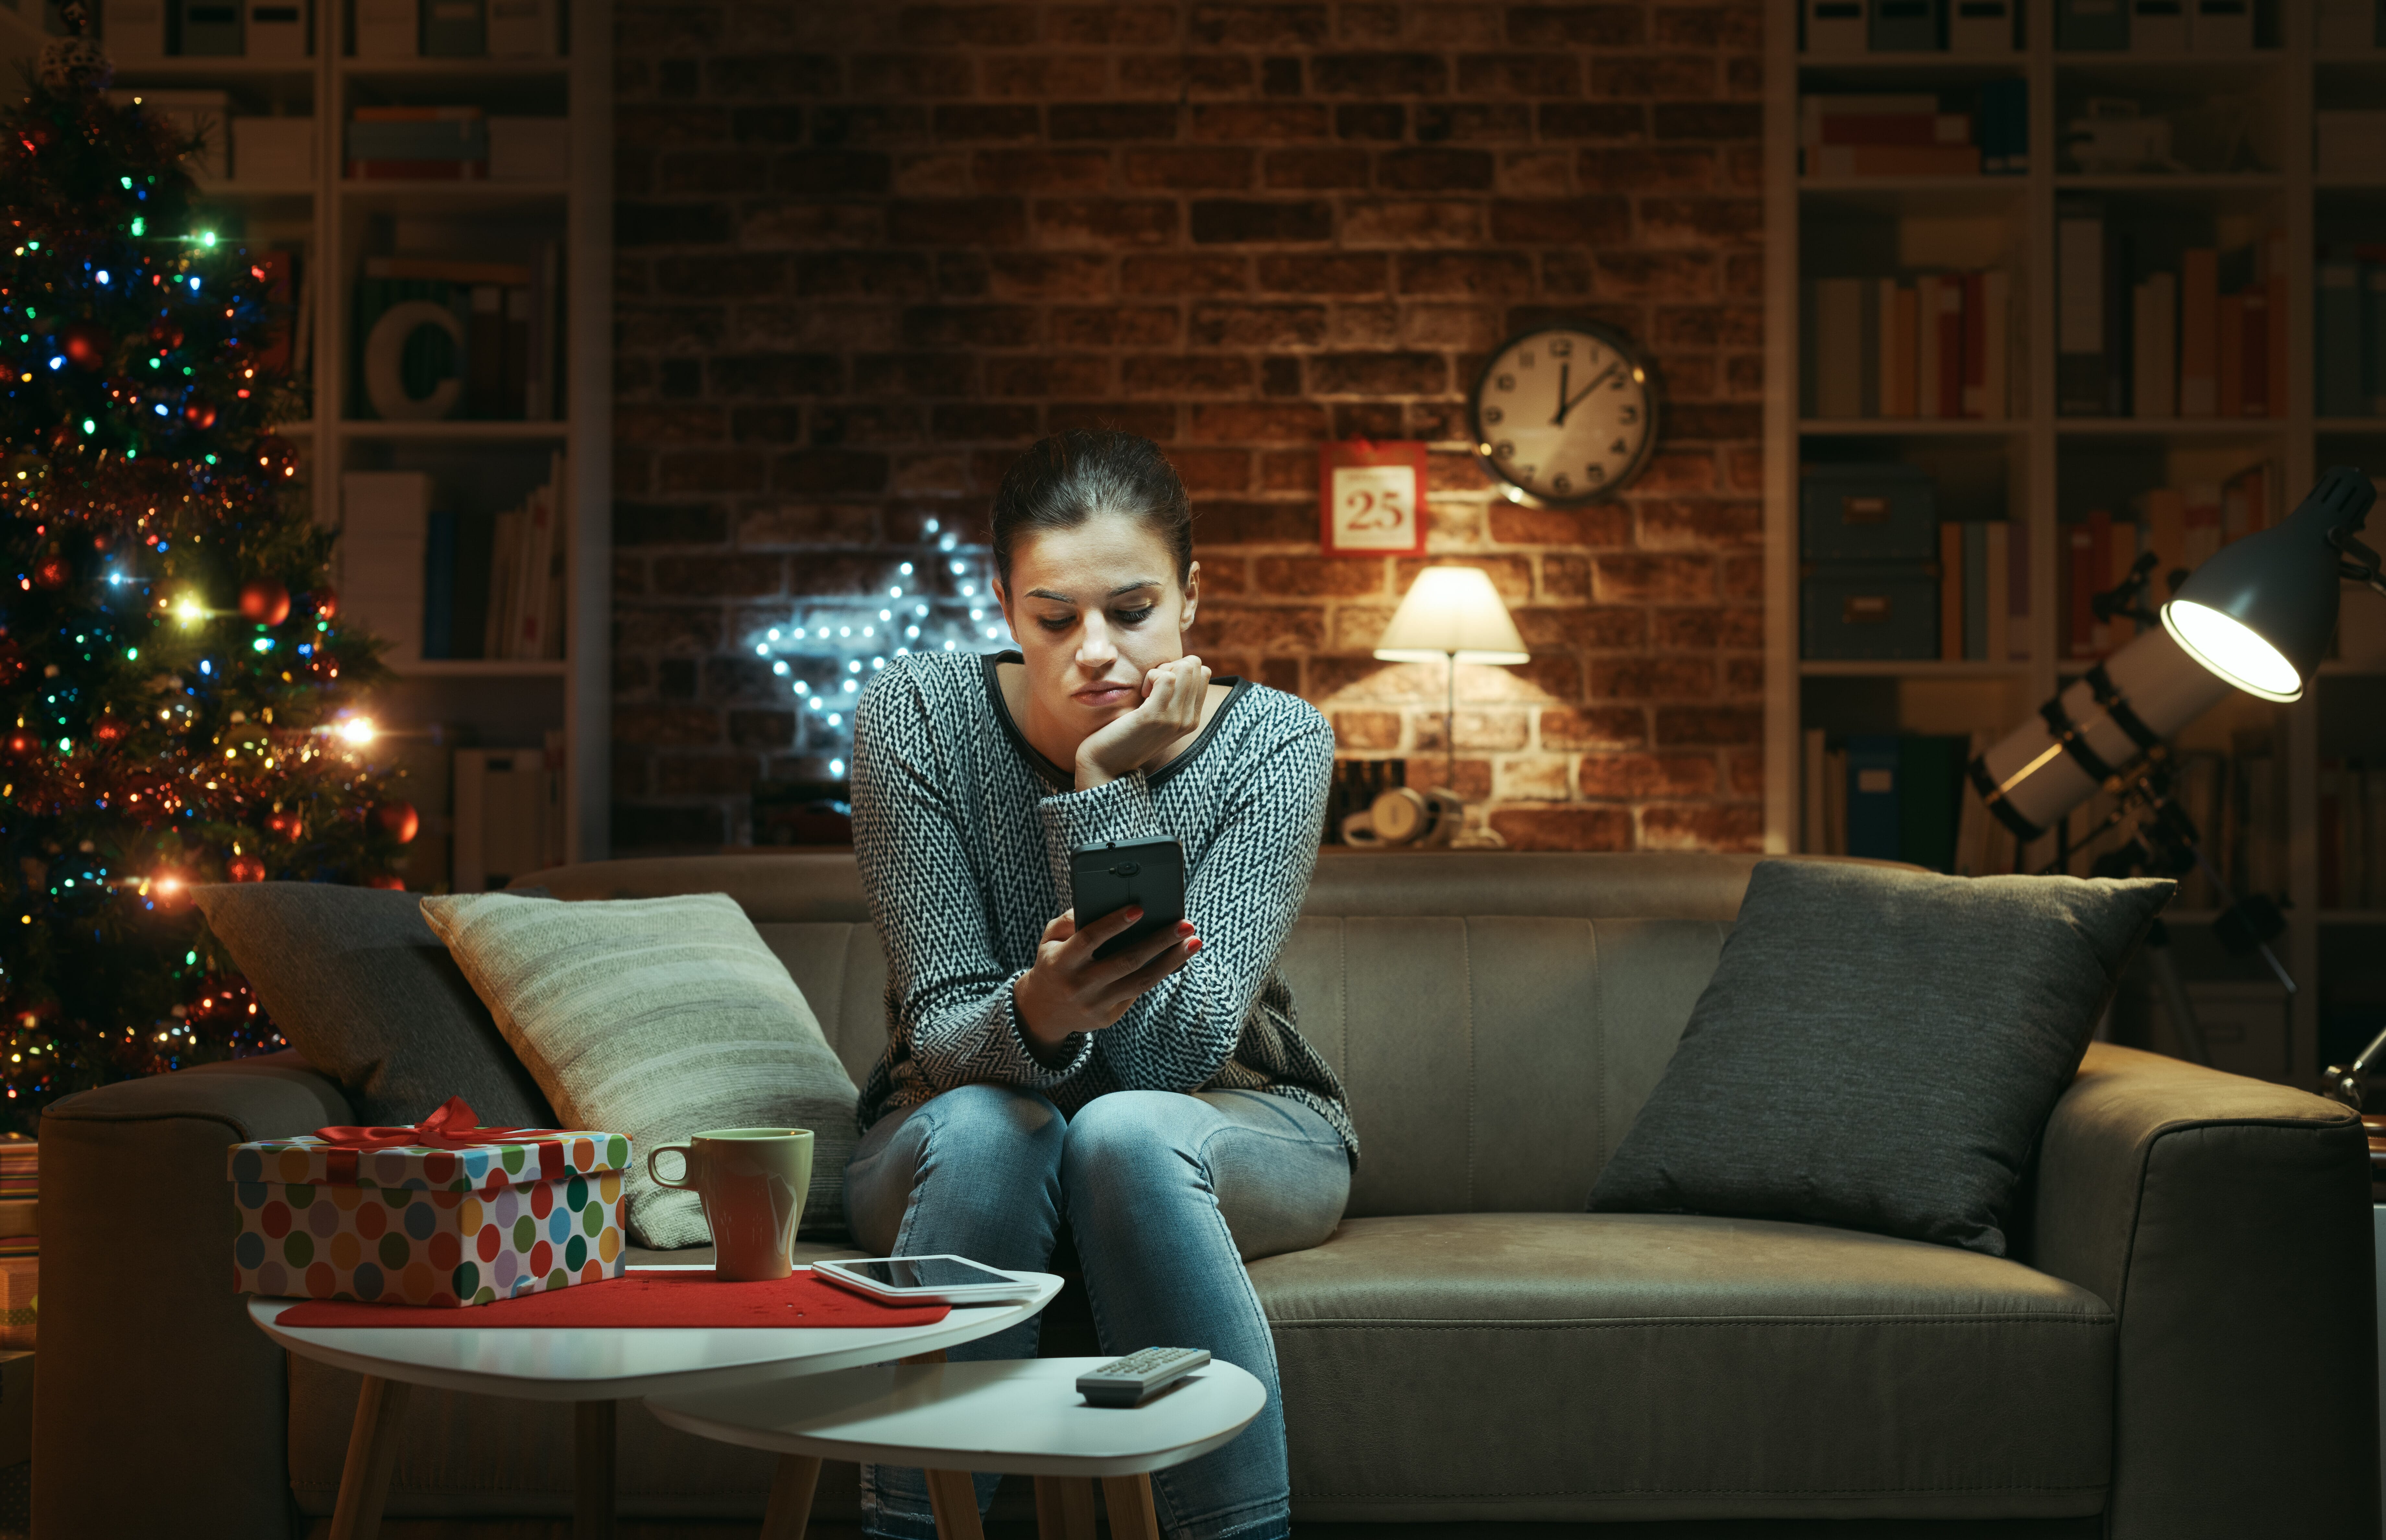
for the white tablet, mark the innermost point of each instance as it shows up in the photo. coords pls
(944, 1280)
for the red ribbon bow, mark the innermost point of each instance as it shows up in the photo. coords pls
(454, 1126)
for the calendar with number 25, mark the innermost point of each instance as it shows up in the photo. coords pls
(1370, 497)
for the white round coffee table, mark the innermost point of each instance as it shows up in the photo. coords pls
(594, 1367)
(1015, 1416)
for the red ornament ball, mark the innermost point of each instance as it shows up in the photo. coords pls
(84, 344)
(288, 826)
(400, 819)
(50, 572)
(265, 601)
(200, 414)
(386, 881)
(246, 869)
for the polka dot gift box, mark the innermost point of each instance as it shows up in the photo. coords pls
(442, 1213)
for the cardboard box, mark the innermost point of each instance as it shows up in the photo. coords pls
(272, 151)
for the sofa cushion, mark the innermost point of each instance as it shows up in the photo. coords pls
(1578, 1367)
(355, 981)
(1880, 1048)
(656, 1017)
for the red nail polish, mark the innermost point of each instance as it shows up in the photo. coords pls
(1192, 946)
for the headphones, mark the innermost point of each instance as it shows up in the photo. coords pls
(1404, 816)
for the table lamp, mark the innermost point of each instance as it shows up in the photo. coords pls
(1454, 614)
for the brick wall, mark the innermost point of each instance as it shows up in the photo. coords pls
(868, 250)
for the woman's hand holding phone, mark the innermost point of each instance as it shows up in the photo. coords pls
(1173, 697)
(1069, 989)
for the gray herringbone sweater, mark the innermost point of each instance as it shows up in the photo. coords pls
(963, 832)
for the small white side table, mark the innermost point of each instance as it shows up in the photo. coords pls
(1015, 1416)
(593, 1367)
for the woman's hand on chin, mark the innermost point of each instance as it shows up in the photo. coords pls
(1173, 697)
(1069, 990)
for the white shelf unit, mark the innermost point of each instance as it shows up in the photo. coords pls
(2288, 82)
(503, 703)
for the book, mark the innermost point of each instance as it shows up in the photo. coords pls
(2154, 361)
(2081, 363)
(1951, 590)
(2199, 332)
(1996, 593)
(1897, 349)
(1898, 160)
(2165, 518)
(1874, 827)
(2201, 519)
(1975, 605)
(2080, 638)
(2122, 555)
(1896, 128)
(1835, 802)
(1973, 393)
(2017, 584)
(1839, 337)
(2232, 351)
(1812, 834)
(2098, 570)
(2276, 386)
(1995, 332)
(1927, 338)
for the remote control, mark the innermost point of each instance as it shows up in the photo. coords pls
(1130, 1380)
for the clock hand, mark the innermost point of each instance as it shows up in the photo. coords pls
(1566, 403)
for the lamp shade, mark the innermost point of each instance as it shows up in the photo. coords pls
(1452, 612)
(2259, 614)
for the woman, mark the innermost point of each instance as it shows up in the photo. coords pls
(1160, 1100)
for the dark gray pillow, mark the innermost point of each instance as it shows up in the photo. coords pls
(355, 981)
(1880, 1048)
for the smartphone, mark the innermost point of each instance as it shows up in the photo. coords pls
(942, 1280)
(1107, 878)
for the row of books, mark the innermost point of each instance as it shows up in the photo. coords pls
(2208, 341)
(2182, 525)
(136, 31)
(435, 583)
(1849, 28)
(2351, 835)
(1984, 591)
(501, 352)
(1984, 131)
(2349, 332)
(455, 143)
(1938, 346)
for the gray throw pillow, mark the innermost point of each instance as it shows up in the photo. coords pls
(1880, 1049)
(355, 979)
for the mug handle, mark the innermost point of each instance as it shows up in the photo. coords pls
(686, 1152)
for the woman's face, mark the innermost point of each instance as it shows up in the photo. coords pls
(1095, 607)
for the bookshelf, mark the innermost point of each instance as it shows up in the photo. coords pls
(337, 223)
(2242, 173)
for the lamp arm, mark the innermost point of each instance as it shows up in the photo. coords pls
(2357, 561)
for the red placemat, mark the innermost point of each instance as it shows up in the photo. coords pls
(664, 1297)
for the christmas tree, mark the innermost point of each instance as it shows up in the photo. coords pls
(181, 699)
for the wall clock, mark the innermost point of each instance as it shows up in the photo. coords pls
(1565, 414)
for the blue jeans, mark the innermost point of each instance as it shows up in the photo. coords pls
(1167, 1195)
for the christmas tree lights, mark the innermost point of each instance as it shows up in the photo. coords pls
(181, 703)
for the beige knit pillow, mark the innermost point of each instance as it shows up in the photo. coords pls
(656, 1017)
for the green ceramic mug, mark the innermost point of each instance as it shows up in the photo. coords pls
(751, 1182)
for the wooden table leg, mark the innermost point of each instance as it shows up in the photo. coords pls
(954, 1498)
(1132, 1514)
(372, 1454)
(1064, 1507)
(791, 1497)
(592, 1470)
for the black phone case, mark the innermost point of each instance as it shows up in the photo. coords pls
(1107, 878)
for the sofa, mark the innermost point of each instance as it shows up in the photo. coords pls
(2180, 1346)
